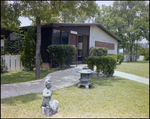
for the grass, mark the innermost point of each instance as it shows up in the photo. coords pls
(109, 97)
(22, 76)
(139, 68)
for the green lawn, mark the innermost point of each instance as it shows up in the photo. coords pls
(109, 97)
(139, 68)
(22, 76)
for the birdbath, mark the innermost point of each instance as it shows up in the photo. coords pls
(85, 78)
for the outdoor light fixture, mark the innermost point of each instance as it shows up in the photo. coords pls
(85, 77)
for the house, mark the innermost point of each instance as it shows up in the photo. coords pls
(82, 35)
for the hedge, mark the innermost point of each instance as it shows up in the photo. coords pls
(118, 57)
(98, 51)
(106, 64)
(61, 54)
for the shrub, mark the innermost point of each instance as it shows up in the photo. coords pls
(106, 64)
(90, 62)
(27, 56)
(145, 52)
(146, 57)
(62, 54)
(3, 67)
(98, 51)
(118, 57)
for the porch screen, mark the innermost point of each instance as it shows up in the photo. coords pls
(56, 37)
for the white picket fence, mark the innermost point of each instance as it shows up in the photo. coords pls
(12, 62)
(127, 58)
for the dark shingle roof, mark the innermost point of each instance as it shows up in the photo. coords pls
(84, 24)
(79, 24)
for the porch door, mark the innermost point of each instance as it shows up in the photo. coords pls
(85, 48)
(73, 41)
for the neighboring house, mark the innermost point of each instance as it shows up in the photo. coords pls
(82, 35)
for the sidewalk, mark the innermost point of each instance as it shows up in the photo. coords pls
(60, 79)
(132, 77)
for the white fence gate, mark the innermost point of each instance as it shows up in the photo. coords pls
(12, 62)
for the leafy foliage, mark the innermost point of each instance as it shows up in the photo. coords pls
(145, 52)
(3, 67)
(106, 64)
(9, 15)
(62, 54)
(28, 55)
(72, 12)
(128, 20)
(98, 51)
(119, 58)
(13, 46)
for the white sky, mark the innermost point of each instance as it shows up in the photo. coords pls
(25, 21)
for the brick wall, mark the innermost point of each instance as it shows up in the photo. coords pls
(97, 34)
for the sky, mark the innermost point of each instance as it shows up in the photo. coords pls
(25, 21)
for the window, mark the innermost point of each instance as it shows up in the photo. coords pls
(56, 36)
(64, 36)
(60, 37)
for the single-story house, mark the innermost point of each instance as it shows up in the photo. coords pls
(82, 35)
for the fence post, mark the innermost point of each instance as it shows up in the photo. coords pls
(12, 62)
(7, 61)
(18, 64)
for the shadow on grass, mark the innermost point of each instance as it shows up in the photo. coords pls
(22, 76)
(13, 101)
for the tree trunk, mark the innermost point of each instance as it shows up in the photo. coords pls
(131, 52)
(123, 51)
(38, 46)
(117, 48)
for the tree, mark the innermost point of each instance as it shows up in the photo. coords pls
(73, 12)
(43, 11)
(28, 54)
(9, 16)
(126, 19)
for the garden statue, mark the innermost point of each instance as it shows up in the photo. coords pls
(85, 77)
(48, 106)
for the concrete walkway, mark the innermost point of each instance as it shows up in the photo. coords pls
(60, 79)
(132, 77)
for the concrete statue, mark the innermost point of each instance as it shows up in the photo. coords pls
(48, 106)
(85, 78)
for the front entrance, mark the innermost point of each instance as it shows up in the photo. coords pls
(81, 43)
(73, 41)
(83, 48)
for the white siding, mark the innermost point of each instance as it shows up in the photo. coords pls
(97, 34)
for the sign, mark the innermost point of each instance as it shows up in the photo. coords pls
(73, 32)
(2, 42)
